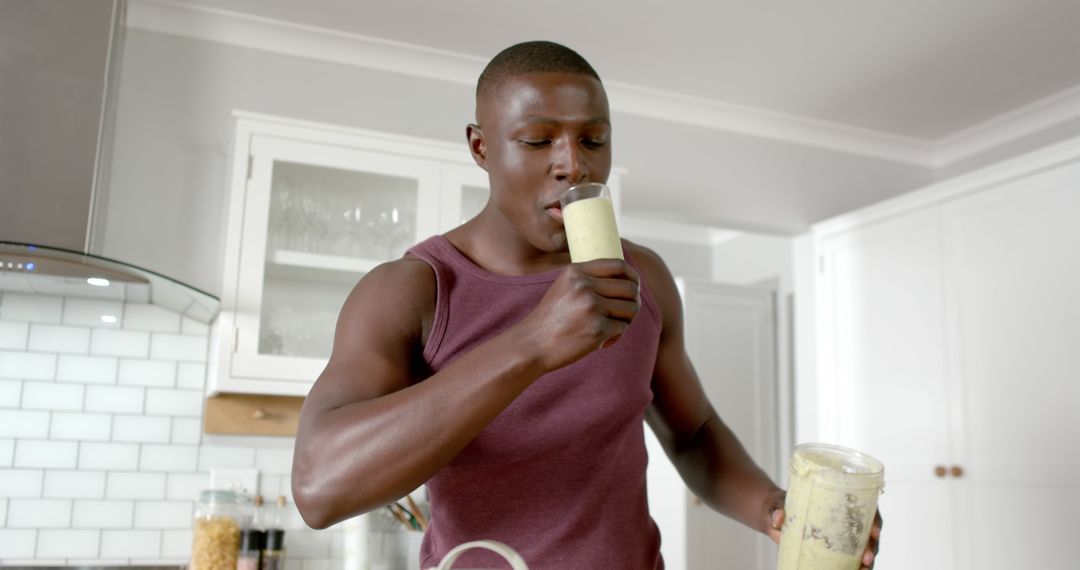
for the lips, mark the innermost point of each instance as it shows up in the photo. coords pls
(555, 211)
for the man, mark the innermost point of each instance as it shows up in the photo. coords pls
(512, 382)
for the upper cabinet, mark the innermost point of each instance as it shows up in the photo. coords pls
(312, 208)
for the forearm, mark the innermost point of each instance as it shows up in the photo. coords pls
(717, 468)
(366, 454)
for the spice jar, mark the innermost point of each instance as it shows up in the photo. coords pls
(219, 515)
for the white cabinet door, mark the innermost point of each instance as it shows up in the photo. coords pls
(464, 194)
(731, 339)
(1013, 272)
(883, 380)
(316, 218)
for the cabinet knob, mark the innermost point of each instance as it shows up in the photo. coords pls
(939, 470)
(258, 414)
(696, 500)
(957, 471)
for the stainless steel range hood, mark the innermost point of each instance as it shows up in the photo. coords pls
(59, 64)
(39, 270)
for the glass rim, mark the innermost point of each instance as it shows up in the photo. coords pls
(848, 467)
(583, 191)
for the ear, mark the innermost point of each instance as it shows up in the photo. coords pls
(477, 146)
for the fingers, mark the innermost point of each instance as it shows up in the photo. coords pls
(608, 268)
(619, 309)
(616, 288)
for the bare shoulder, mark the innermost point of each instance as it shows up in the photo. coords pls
(399, 295)
(657, 277)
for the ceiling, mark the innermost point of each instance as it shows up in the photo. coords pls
(924, 69)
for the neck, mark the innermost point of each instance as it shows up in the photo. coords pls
(499, 248)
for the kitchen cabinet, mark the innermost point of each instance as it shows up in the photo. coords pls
(946, 347)
(731, 340)
(311, 209)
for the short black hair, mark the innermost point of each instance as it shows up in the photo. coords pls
(531, 57)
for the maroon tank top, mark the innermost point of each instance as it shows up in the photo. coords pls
(559, 475)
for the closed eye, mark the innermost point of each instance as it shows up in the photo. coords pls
(535, 143)
(592, 143)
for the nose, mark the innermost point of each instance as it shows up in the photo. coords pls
(569, 165)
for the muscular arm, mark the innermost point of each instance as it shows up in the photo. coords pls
(375, 425)
(710, 459)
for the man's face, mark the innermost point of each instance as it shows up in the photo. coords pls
(541, 134)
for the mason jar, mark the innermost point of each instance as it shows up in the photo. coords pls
(219, 516)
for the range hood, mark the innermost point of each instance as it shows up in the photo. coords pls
(40, 270)
(59, 65)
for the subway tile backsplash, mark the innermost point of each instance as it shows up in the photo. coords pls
(102, 454)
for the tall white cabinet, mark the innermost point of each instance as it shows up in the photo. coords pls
(948, 346)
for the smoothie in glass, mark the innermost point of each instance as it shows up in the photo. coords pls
(589, 219)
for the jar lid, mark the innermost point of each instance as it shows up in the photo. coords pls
(836, 465)
(211, 496)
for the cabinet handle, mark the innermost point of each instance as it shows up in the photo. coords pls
(235, 338)
(258, 414)
(939, 471)
(957, 471)
(696, 500)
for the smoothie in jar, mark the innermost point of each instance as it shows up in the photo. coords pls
(830, 507)
(589, 219)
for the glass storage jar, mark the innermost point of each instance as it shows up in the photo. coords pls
(219, 516)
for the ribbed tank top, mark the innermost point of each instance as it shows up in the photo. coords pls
(559, 475)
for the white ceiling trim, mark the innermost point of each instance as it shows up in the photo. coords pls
(256, 32)
(277, 36)
(1029, 119)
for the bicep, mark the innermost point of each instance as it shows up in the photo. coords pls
(377, 339)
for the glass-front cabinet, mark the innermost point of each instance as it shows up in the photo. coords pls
(311, 209)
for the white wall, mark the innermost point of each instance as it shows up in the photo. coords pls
(165, 201)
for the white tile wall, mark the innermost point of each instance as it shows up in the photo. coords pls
(56, 454)
(88, 312)
(36, 308)
(119, 456)
(27, 365)
(191, 326)
(163, 514)
(143, 429)
(100, 438)
(187, 430)
(17, 543)
(106, 342)
(52, 396)
(10, 391)
(38, 513)
(169, 458)
(7, 452)
(176, 543)
(191, 375)
(131, 543)
(147, 372)
(114, 399)
(102, 514)
(135, 486)
(59, 338)
(189, 348)
(174, 402)
(74, 484)
(219, 456)
(21, 482)
(86, 369)
(186, 486)
(13, 335)
(150, 318)
(67, 543)
(80, 426)
(24, 423)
